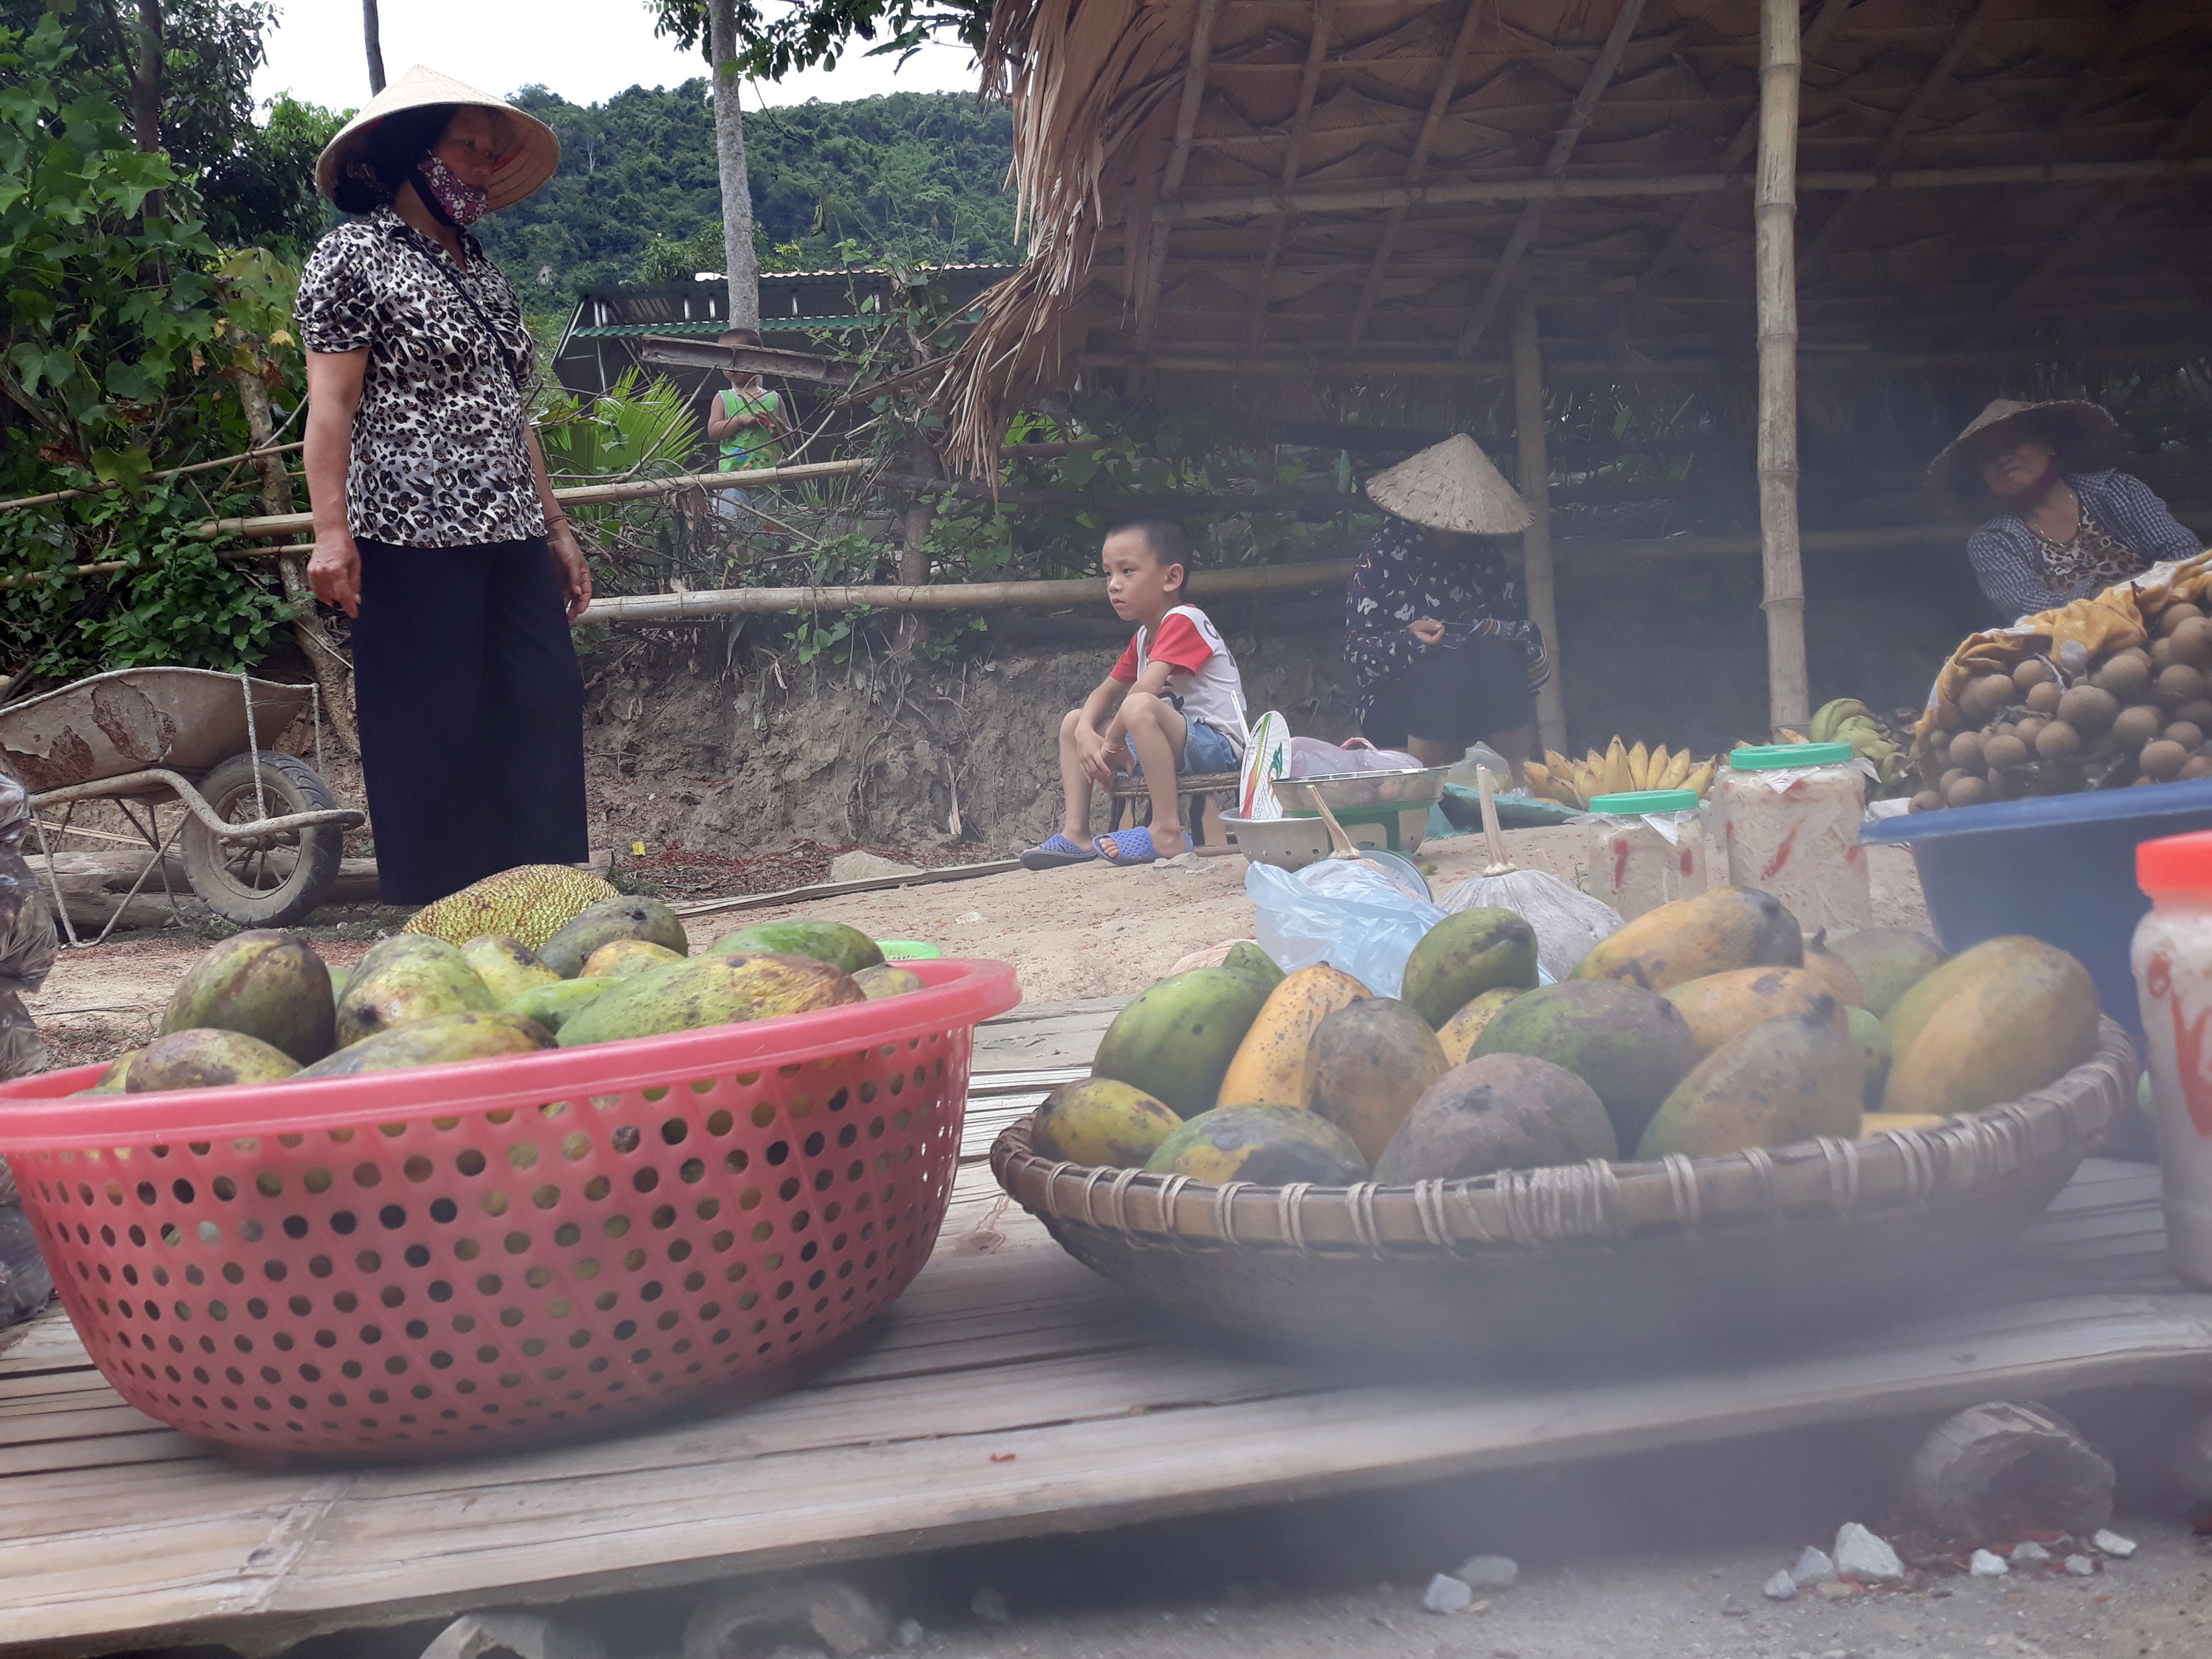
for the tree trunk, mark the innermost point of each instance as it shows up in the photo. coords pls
(373, 36)
(738, 257)
(333, 673)
(913, 541)
(146, 94)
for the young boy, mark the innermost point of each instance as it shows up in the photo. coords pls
(747, 420)
(1173, 704)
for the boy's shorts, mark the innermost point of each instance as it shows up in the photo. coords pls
(1206, 747)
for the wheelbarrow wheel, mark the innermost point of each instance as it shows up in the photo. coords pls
(268, 881)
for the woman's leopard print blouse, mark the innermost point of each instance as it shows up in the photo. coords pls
(439, 458)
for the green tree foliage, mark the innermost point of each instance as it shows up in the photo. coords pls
(805, 34)
(917, 175)
(253, 182)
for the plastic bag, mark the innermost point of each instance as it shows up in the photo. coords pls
(28, 941)
(1312, 758)
(1352, 916)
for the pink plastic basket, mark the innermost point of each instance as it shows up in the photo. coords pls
(411, 1263)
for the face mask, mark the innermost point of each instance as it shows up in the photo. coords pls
(452, 197)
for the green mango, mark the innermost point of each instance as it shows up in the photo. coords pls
(1100, 1121)
(1246, 957)
(1463, 956)
(209, 1059)
(114, 1080)
(1872, 1037)
(436, 1040)
(710, 990)
(1176, 1038)
(1268, 1145)
(1629, 1044)
(554, 1005)
(625, 959)
(506, 965)
(408, 976)
(267, 983)
(632, 916)
(799, 936)
(887, 980)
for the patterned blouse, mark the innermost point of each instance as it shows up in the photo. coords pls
(1404, 576)
(439, 458)
(2125, 529)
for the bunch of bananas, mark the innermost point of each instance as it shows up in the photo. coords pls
(1848, 720)
(1621, 770)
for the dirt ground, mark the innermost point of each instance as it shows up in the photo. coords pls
(1091, 931)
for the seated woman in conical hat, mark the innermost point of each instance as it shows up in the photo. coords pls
(1436, 631)
(2063, 522)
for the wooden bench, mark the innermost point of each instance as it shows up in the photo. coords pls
(1193, 792)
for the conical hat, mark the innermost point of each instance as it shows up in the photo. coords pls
(2085, 437)
(536, 149)
(1451, 486)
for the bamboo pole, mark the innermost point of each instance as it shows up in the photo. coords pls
(109, 567)
(1774, 215)
(1193, 93)
(1529, 186)
(52, 497)
(1535, 479)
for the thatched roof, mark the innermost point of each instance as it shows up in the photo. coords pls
(1236, 199)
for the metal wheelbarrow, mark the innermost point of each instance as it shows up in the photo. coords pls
(260, 832)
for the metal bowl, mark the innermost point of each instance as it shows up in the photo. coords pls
(1350, 790)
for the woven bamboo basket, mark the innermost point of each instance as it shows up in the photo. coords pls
(1682, 1254)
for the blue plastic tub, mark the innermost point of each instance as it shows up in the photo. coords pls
(2060, 867)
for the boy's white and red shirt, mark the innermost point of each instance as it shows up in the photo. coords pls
(1202, 670)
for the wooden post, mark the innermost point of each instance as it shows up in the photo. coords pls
(1774, 216)
(1535, 476)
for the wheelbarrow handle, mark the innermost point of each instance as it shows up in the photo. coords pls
(137, 783)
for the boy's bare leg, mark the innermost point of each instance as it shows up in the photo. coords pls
(1156, 733)
(1074, 783)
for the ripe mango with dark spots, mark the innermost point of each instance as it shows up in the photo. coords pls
(1720, 1006)
(887, 978)
(1466, 954)
(1099, 1121)
(1268, 1146)
(626, 959)
(205, 1059)
(710, 990)
(1458, 1035)
(1630, 1045)
(1783, 1080)
(1997, 1021)
(1176, 1037)
(1371, 1060)
(266, 983)
(832, 942)
(1273, 1065)
(1713, 933)
(632, 916)
(436, 1040)
(1497, 1112)
(406, 977)
(507, 966)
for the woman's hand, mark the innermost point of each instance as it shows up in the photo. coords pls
(575, 570)
(1428, 630)
(334, 570)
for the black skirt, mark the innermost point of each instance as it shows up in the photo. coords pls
(1458, 697)
(471, 712)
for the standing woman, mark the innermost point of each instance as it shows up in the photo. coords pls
(1436, 630)
(435, 529)
(2064, 522)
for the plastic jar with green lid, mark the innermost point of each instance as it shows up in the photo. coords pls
(2172, 959)
(1646, 848)
(1789, 817)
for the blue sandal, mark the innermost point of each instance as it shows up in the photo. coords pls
(1056, 854)
(1131, 847)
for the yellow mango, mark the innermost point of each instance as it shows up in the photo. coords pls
(1273, 1065)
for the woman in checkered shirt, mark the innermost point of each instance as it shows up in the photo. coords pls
(2066, 523)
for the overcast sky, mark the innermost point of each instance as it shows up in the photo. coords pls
(585, 50)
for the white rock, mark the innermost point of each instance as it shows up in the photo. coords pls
(1813, 1567)
(866, 866)
(1780, 1588)
(2030, 1552)
(989, 1604)
(1863, 1558)
(910, 1633)
(1490, 1573)
(1446, 1593)
(2081, 1565)
(2112, 1544)
(1986, 1565)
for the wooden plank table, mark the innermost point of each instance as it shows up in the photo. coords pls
(1010, 1393)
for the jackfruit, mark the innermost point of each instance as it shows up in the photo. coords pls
(530, 903)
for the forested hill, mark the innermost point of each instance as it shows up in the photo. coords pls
(912, 174)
